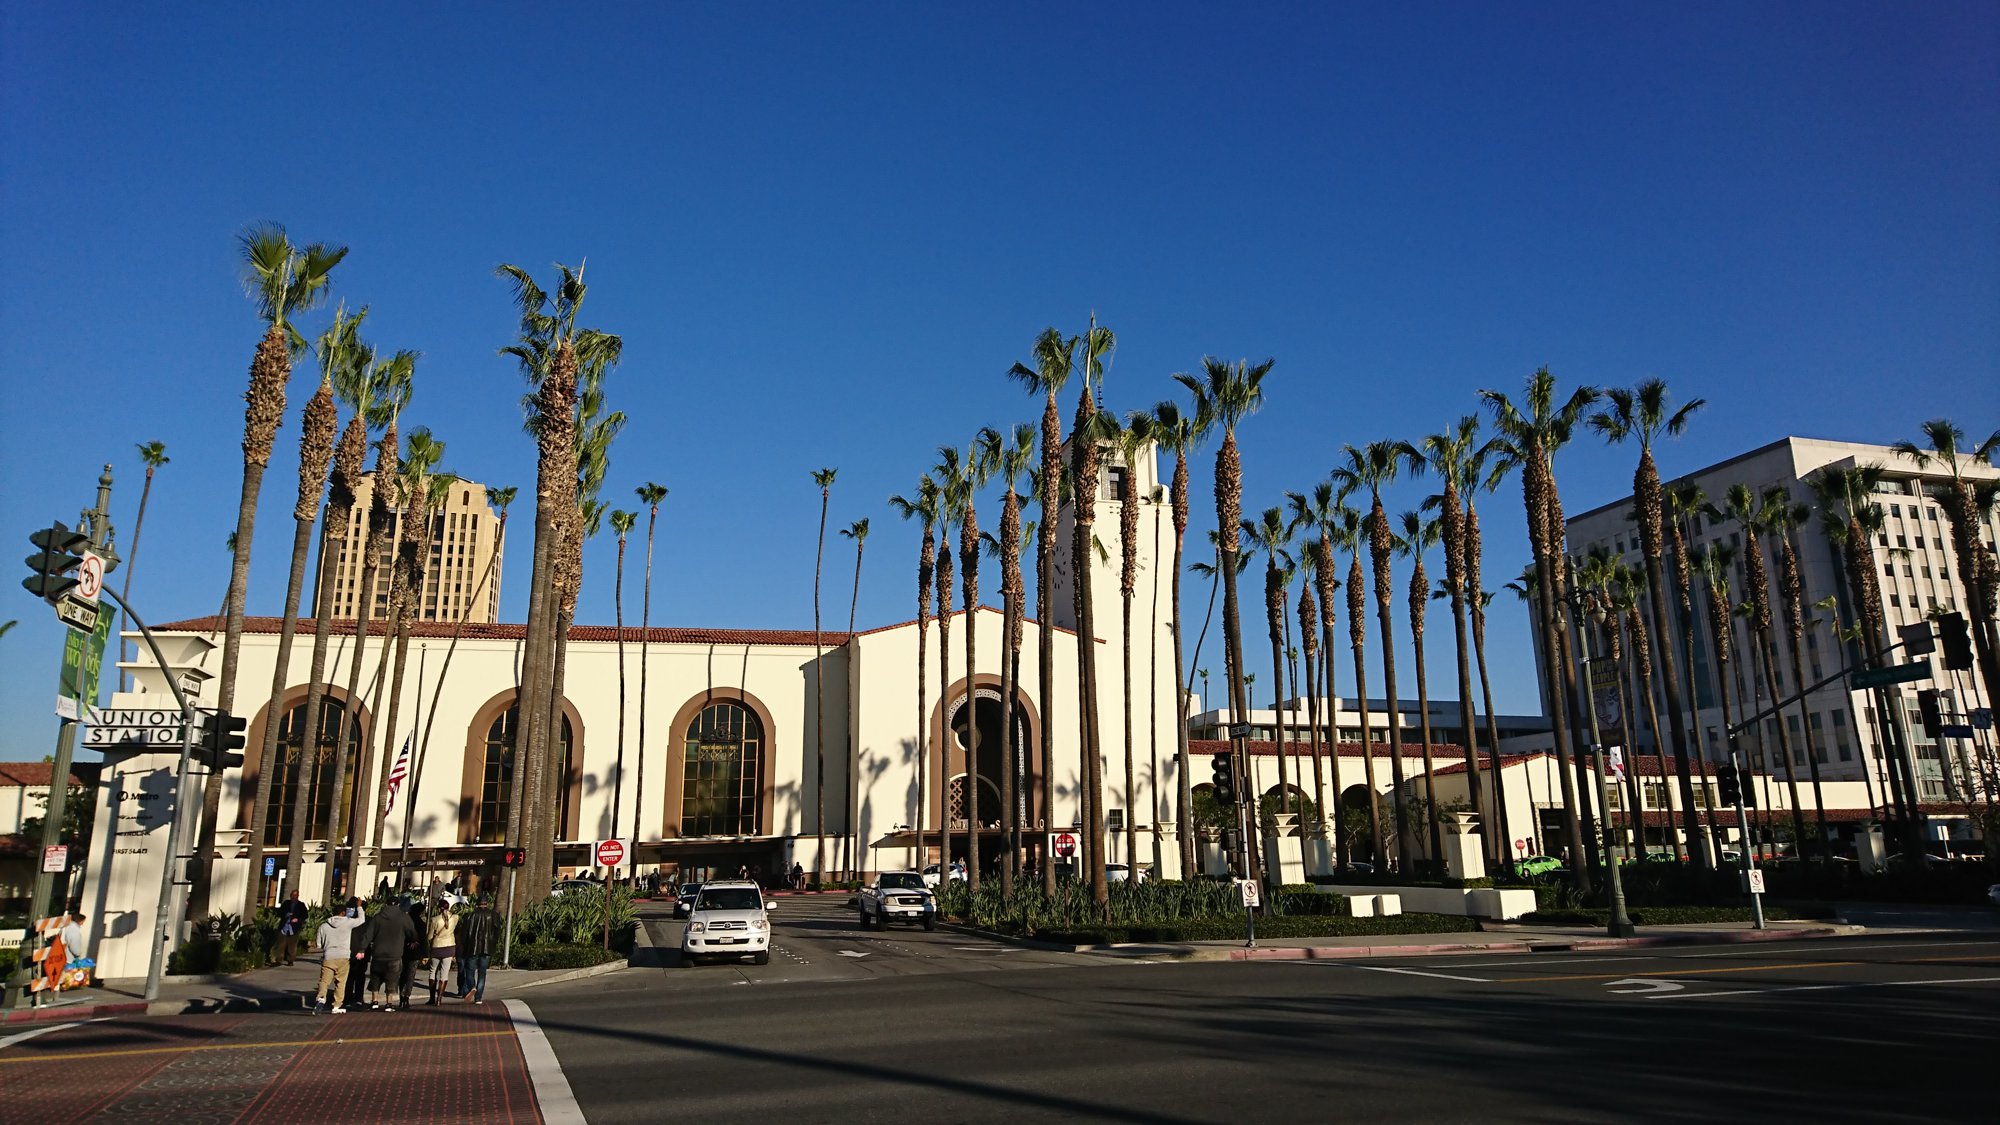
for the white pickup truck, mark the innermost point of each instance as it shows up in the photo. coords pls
(897, 896)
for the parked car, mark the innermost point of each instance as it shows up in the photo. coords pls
(1119, 872)
(1993, 894)
(729, 919)
(931, 874)
(573, 885)
(1537, 865)
(684, 899)
(899, 896)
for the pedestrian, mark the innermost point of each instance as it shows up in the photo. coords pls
(443, 948)
(478, 936)
(390, 933)
(798, 877)
(358, 941)
(291, 921)
(414, 948)
(77, 964)
(336, 958)
(743, 871)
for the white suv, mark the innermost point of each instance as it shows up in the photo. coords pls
(727, 920)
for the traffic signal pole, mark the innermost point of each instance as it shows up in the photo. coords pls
(1741, 762)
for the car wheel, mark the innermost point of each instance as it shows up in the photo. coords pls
(763, 958)
(689, 960)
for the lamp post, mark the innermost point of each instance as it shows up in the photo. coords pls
(1621, 923)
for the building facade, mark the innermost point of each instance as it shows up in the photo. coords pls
(461, 574)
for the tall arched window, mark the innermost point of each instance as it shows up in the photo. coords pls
(723, 772)
(282, 775)
(496, 779)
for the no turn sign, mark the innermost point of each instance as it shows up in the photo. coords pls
(1063, 844)
(610, 853)
(90, 577)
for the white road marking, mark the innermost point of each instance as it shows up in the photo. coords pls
(1643, 986)
(1404, 972)
(1821, 988)
(1767, 952)
(1530, 959)
(552, 1092)
(851, 953)
(24, 1036)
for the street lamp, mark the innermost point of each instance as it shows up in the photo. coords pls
(1621, 923)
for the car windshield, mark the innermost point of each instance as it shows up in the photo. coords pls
(730, 898)
(902, 881)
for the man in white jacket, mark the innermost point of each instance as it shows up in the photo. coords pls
(336, 952)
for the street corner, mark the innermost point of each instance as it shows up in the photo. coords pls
(452, 1063)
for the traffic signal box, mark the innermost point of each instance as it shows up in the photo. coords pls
(1224, 778)
(57, 556)
(1955, 638)
(221, 733)
(1727, 791)
(1931, 707)
(514, 857)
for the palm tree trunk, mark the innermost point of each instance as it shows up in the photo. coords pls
(1330, 810)
(645, 666)
(1185, 796)
(1356, 626)
(1131, 789)
(968, 551)
(274, 718)
(1489, 827)
(1769, 663)
(945, 737)
(1430, 763)
(856, 866)
(526, 819)
(1492, 729)
(819, 705)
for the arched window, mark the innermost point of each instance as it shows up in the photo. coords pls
(282, 775)
(723, 775)
(496, 778)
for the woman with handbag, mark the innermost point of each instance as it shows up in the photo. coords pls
(443, 944)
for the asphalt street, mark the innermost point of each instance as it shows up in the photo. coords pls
(929, 1027)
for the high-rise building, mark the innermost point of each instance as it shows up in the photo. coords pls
(1919, 574)
(464, 541)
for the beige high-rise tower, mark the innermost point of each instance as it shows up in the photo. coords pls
(463, 540)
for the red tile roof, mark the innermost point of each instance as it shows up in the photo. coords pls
(1268, 748)
(344, 627)
(1661, 818)
(31, 775)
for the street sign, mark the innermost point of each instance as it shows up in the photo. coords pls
(1248, 889)
(1918, 639)
(77, 613)
(270, 866)
(55, 860)
(1521, 846)
(1982, 718)
(83, 658)
(1894, 674)
(1063, 845)
(1955, 730)
(610, 853)
(90, 577)
(1753, 879)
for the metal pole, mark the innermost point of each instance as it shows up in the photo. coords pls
(1620, 924)
(1743, 830)
(507, 943)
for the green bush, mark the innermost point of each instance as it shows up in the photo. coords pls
(1482, 883)
(576, 917)
(1307, 903)
(1131, 904)
(1664, 915)
(1227, 929)
(563, 955)
(10, 959)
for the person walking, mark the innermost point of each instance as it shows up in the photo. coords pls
(336, 958)
(478, 936)
(443, 948)
(414, 948)
(391, 931)
(291, 921)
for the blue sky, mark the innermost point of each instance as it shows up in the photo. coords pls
(825, 231)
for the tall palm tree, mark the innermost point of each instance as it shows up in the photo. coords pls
(1478, 598)
(1272, 536)
(437, 494)
(1011, 465)
(1176, 433)
(1528, 435)
(1420, 535)
(1783, 519)
(621, 525)
(318, 425)
(926, 508)
(1684, 501)
(1753, 515)
(1347, 534)
(1055, 359)
(975, 470)
(824, 479)
(284, 280)
(1225, 394)
(1320, 512)
(940, 483)
(154, 454)
(1373, 467)
(1598, 575)
(1978, 570)
(651, 495)
(858, 532)
(1089, 432)
(1713, 565)
(1631, 586)
(1457, 458)
(1134, 440)
(1644, 414)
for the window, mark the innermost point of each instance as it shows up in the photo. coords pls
(1116, 480)
(722, 778)
(282, 776)
(1895, 509)
(496, 780)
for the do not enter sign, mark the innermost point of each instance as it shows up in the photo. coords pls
(1063, 844)
(610, 853)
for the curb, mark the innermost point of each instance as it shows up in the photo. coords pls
(30, 1016)
(1358, 952)
(575, 974)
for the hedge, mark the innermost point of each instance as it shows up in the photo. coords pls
(562, 956)
(1227, 929)
(1667, 915)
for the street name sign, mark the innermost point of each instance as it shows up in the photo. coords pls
(133, 726)
(1894, 674)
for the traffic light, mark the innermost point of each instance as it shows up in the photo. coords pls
(1956, 641)
(221, 733)
(1224, 778)
(1749, 790)
(49, 570)
(1726, 790)
(1930, 707)
(514, 857)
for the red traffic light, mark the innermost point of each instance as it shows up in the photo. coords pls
(514, 857)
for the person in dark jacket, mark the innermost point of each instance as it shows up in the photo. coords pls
(291, 924)
(389, 935)
(478, 942)
(414, 950)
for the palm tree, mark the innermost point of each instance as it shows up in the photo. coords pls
(824, 479)
(963, 492)
(1011, 465)
(154, 454)
(943, 585)
(1372, 467)
(1420, 535)
(1630, 586)
(1088, 434)
(1529, 434)
(1055, 358)
(1479, 598)
(649, 494)
(621, 525)
(1321, 512)
(858, 532)
(1176, 434)
(1225, 394)
(1643, 414)
(1978, 571)
(1783, 520)
(1272, 537)
(1684, 501)
(1713, 564)
(1598, 575)
(318, 424)
(1134, 439)
(926, 508)
(285, 281)
(1347, 535)
(436, 495)
(1753, 515)
(1457, 459)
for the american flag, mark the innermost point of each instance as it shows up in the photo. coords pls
(397, 773)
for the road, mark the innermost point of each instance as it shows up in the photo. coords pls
(927, 1027)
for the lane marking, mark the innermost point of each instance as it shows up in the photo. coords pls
(1646, 987)
(1686, 972)
(1415, 973)
(552, 1092)
(355, 1042)
(1820, 988)
(851, 953)
(24, 1036)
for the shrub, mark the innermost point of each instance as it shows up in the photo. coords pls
(563, 955)
(10, 959)
(1664, 915)
(576, 917)
(1232, 928)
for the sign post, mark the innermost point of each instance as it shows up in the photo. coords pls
(1893, 674)
(610, 854)
(1252, 899)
